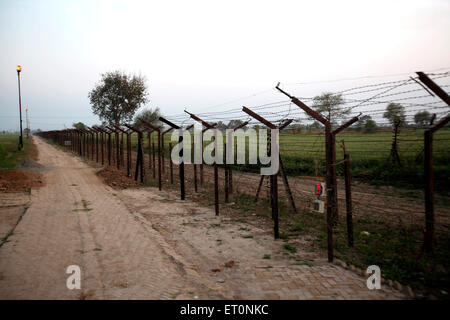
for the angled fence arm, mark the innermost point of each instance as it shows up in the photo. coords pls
(434, 87)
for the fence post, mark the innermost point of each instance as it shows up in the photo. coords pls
(216, 173)
(170, 163)
(429, 237)
(330, 189)
(164, 149)
(139, 159)
(158, 130)
(429, 192)
(128, 154)
(150, 150)
(274, 177)
(226, 172)
(195, 166)
(329, 156)
(159, 160)
(103, 147)
(181, 165)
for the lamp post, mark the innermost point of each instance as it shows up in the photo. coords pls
(19, 68)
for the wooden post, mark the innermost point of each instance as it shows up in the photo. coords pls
(150, 151)
(181, 166)
(158, 130)
(141, 159)
(117, 150)
(429, 237)
(109, 148)
(195, 167)
(227, 183)
(170, 163)
(128, 154)
(159, 160)
(216, 173)
(330, 190)
(96, 146)
(201, 164)
(102, 142)
(140, 154)
(154, 160)
(121, 149)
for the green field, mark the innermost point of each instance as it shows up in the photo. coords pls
(303, 154)
(10, 156)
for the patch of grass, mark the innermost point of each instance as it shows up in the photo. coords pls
(290, 248)
(10, 156)
(97, 249)
(266, 256)
(283, 236)
(248, 236)
(85, 205)
(298, 228)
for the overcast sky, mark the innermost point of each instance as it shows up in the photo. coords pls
(205, 55)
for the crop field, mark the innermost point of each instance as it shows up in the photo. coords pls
(303, 155)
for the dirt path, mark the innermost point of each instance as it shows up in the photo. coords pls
(143, 244)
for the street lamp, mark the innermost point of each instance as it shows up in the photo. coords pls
(19, 68)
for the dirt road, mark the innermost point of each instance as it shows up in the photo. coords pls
(143, 244)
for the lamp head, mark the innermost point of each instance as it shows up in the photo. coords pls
(19, 68)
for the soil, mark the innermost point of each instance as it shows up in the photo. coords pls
(19, 180)
(116, 178)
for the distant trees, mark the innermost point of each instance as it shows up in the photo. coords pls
(149, 115)
(362, 121)
(331, 106)
(422, 118)
(221, 126)
(395, 113)
(234, 123)
(79, 125)
(117, 97)
(366, 124)
(296, 126)
(370, 126)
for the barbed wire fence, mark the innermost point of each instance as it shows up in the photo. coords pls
(309, 156)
